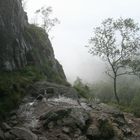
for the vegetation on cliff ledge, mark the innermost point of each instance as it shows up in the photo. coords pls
(13, 87)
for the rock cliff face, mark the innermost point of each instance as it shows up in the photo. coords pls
(22, 44)
(12, 44)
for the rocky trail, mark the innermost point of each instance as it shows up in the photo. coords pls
(134, 123)
(46, 115)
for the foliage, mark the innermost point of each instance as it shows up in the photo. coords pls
(103, 91)
(13, 87)
(83, 89)
(38, 38)
(47, 22)
(116, 42)
(34, 31)
(128, 92)
(135, 65)
(127, 89)
(106, 129)
(135, 105)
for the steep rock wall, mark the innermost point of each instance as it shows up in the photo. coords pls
(12, 45)
(22, 44)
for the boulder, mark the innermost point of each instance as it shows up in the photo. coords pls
(1, 135)
(23, 133)
(82, 138)
(69, 123)
(14, 117)
(5, 126)
(71, 117)
(66, 129)
(52, 90)
(13, 123)
(9, 136)
(42, 138)
(93, 132)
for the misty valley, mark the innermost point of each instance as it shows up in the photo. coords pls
(55, 86)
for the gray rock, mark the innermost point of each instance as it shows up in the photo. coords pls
(42, 138)
(13, 113)
(110, 110)
(40, 97)
(5, 126)
(53, 90)
(71, 117)
(50, 125)
(82, 138)
(12, 42)
(77, 133)
(14, 117)
(8, 136)
(93, 131)
(66, 129)
(118, 133)
(1, 135)
(23, 133)
(126, 130)
(37, 132)
(14, 122)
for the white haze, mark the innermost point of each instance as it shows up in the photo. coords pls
(78, 18)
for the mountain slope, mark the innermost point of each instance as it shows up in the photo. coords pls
(26, 55)
(22, 44)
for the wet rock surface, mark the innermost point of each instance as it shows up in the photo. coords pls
(53, 90)
(1, 135)
(64, 118)
(23, 133)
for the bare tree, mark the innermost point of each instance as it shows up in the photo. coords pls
(116, 42)
(135, 65)
(47, 22)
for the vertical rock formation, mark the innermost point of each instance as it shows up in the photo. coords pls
(22, 44)
(12, 44)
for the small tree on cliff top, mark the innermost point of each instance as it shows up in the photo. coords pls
(47, 22)
(116, 42)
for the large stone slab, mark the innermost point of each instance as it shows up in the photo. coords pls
(23, 133)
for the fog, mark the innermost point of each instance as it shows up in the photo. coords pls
(78, 18)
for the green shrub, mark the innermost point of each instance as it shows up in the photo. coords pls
(13, 86)
(135, 105)
(38, 38)
(103, 91)
(106, 129)
(83, 89)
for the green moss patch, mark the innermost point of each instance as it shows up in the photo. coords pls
(13, 87)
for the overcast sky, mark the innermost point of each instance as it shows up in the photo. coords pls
(78, 18)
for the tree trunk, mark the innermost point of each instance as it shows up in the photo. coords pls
(115, 89)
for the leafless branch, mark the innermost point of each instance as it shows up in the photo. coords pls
(109, 74)
(126, 73)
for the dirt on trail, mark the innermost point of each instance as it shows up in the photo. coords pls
(133, 122)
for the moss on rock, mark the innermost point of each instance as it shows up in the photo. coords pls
(13, 87)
